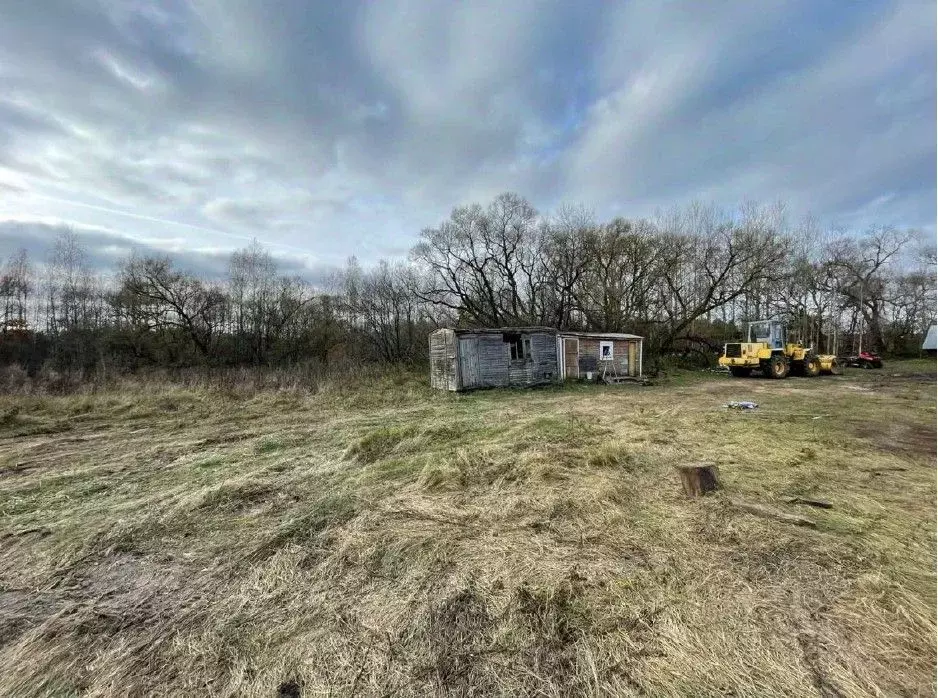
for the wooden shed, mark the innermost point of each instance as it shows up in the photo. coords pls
(930, 345)
(610, 356)
(493, 358)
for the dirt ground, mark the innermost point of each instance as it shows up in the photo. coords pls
(385, 539)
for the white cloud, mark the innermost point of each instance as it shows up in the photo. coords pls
(330, 130)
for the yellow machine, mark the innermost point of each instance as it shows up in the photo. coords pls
(769, 351)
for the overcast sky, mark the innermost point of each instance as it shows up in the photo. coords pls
(330, 129)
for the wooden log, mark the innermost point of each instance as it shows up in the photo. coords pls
(885, 469)
(820, 503)
(699, 479)
(769, 513)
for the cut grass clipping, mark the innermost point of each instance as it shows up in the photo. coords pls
(399, 541)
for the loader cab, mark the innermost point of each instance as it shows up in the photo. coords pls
(770, 332)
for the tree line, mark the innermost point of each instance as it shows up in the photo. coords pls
(690, 275)
(687, 280)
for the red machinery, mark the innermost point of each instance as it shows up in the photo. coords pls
(865, 359)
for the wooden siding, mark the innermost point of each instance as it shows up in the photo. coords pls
(463, 360)
(466, 360)
(540, 367)
(493, 357)
(589, 356)
(443, 370)
(468, 355)
(571, 350)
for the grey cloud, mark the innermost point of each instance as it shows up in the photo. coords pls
(345, 128)
(106, 250)
(228, 211)
(809, 133)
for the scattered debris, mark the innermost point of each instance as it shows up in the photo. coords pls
(820, 503)
(769, 513)
(742, 405)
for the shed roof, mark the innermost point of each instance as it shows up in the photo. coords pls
(503, 330)
(544, 329)
(602, 335)
(931, 341)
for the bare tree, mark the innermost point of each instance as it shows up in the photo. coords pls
(164, 298)
(613, 293)
(16, 287)
(565, 257)
(388, 311)
(863, 269)
(255, 294)
(707, 261)
(69, 286)
(482, 262)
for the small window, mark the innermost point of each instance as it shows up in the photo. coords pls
(517, 350)
(605, 351)
(519, 347)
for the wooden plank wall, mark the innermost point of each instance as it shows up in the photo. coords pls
(589, 356)
(443, 373)
(493, 361)
(571, 348)
(541, 367)
(497, 370)
(493, 355)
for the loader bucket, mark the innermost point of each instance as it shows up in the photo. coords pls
(829, 365)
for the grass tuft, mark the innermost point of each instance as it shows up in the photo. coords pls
(379, 443)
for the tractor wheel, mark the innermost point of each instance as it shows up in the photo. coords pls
(812, 367)
(836, 368)
(778, 367)
(740, 371)
(866, 364)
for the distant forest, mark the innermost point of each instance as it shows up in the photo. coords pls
(687, 280)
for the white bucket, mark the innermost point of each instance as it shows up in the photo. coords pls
(589, 375)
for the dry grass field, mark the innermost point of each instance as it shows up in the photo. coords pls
(388, 540)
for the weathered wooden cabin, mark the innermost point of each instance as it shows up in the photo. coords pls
(609, 356)
(493, 358)
(525, 356)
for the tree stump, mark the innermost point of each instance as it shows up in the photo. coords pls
(699, 479)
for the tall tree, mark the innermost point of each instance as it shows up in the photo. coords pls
(482, 262)
(164, 298)
(16, 287)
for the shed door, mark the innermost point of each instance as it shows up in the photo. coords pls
(469, 362)
(571, 355)
(633, 365)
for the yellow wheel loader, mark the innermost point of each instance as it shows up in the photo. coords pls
(769, 351)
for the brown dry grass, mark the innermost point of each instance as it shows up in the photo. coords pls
(395, 541)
